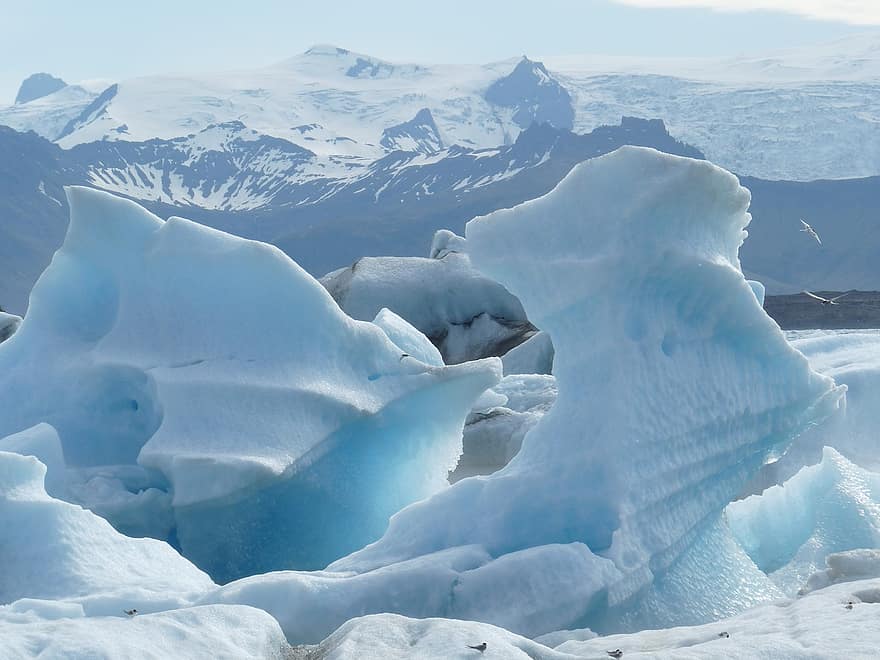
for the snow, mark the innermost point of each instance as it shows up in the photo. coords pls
(216, 370)
(819, 626)
(61, 551)
(801, 114)
(219, 631)
(674, 389)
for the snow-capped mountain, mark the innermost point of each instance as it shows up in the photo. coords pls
(323, 210)
(327, 211)
(796, 115)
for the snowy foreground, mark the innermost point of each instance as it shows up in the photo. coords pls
(200, 451)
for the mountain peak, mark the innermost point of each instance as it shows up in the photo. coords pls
(37, 86)
(326, 50)
(534, 94)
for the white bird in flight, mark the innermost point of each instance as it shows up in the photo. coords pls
(812, 232)
(827, 301)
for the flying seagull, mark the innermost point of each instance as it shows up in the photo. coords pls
(827, 301)
(479, 647)
(812, 232)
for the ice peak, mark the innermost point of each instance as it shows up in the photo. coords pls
(38, 85)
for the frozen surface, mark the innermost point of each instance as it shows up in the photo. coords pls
(494, 431)
(818, 626)
(407, 338)
(215, 369)
(463, 312)
(790, 529)
(674, 389)
(8, 325)
(533, 356)
(851, 358)
(845, 566)
(218, 631)
(61, 551)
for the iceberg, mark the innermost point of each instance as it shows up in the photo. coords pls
(494, 431)
(465, 314)
(54, 550)
(8, 325)
(789, 530)
(674, 389)
(170, 357)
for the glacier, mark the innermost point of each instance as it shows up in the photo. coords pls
(675, 388)
(176, 358)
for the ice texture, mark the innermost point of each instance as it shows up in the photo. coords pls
(216, 369)
(790, 529)
(533, 356)
(674, 389)
(835, 622)
(218, 632)
(8, 325)
(407, 338)
(51, 549)
(465, 314)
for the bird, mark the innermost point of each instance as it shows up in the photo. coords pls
(479, 647)
(812, 232)
(724, 634)
(130, 612)
(616, 653)
(849, 605)
(827, 301)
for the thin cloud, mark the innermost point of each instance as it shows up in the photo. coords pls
(856, 12)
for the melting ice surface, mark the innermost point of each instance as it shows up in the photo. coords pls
(674, 389)
(172, 358)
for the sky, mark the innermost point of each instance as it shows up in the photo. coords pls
(103, 39)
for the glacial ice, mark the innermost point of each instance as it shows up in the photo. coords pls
(463, 312)
(218, 632)
(407, 338)
(852, 358)
(533, 356)
(790, 529)
(494, 431)
(8, 325)
(52, 550)
(674, 389)
(170, 357)
(819, 625)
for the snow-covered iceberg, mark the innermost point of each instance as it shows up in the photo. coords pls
(52, 550)
(674, 389)
(176, 357)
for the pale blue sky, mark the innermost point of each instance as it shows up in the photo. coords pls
(116, 40)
